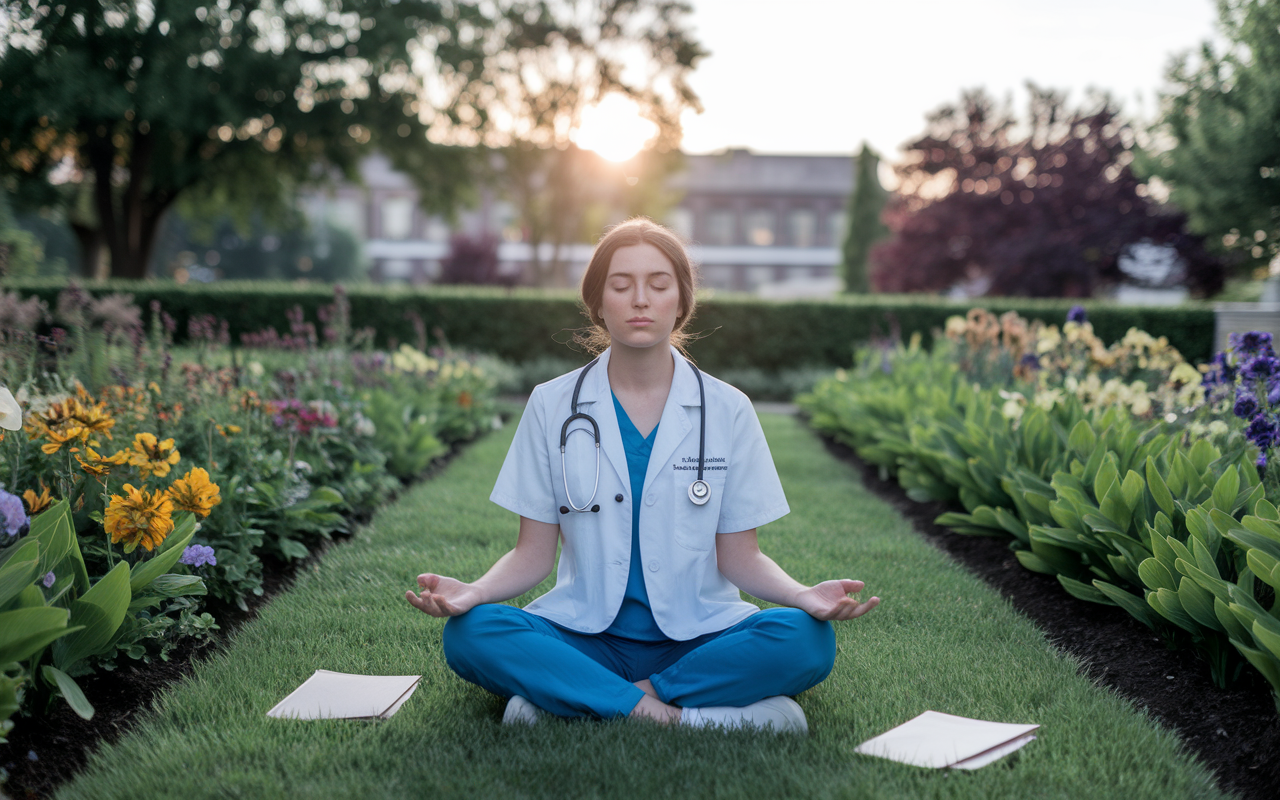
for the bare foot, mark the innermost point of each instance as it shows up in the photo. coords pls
(656, 710)
(646, 687)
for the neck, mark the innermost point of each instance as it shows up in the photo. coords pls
(641, 369)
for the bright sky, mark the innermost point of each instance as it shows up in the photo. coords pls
(819, 76)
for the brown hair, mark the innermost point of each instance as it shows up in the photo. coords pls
(637, 230)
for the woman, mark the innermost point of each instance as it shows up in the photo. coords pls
(646, 618)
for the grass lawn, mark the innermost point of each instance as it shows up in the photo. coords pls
(940, 640)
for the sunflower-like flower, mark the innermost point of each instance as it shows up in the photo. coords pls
(57, 438)
(100, 466)
(152, 457)
(70, 419)
(195, 493)
(141, 518)
(38, 502)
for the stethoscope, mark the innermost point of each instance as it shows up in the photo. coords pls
(699, 490)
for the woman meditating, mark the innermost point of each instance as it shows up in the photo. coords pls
(653, 477)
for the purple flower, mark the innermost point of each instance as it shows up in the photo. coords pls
(1220, 371)
(1261, 431)
(1076, 314)
(1252, 343)
(48, 579)
(197, 555)
(13, 515)
(1261, 463)
(1260, 368)
(1273, 392)
(1031, 361)
(1246, 406)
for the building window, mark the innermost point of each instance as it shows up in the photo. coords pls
(397, 218)
(346, 213)
(804, 226)
(720, 228)
(760, 228)
(838, 220)
(680, 220)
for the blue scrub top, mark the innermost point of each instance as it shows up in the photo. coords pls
(635, 619)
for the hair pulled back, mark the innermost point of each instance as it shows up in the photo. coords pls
(638, 230)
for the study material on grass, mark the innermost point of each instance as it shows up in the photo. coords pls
(338, 695)
(938, 740)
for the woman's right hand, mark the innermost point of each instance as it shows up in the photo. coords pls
(443, 597)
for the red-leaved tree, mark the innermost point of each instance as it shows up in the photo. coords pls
(1041, 208)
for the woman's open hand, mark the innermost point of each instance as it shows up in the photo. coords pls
(830, 600)
(443, 597)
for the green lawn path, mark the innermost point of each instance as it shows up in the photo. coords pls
(941, 640)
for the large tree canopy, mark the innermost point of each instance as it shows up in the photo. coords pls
(114, 110)
(1223, 120)
(1044, 206)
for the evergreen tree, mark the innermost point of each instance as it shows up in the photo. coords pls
(865, 228)
(1224, 169)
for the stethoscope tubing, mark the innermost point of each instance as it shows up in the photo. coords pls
(699, 490)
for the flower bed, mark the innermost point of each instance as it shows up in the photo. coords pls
(1124, 471)
(140, 488)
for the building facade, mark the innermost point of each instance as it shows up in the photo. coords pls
(767, 224)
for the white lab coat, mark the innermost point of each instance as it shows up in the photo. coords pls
(688, 595)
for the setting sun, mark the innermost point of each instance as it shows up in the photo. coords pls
(614, 129)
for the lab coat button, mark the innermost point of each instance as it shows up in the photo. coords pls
(618, 497)
(650, 499)
(653, 566)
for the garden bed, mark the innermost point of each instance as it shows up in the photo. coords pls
(1235, 732)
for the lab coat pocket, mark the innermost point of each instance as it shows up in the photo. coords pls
(695, 525)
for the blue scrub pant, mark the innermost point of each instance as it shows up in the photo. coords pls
(512, 652)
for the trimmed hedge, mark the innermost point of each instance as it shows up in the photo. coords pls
(738, 332)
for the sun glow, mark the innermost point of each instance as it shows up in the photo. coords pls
(614, 129)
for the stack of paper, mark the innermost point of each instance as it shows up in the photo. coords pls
(337, 695)
(938, 740)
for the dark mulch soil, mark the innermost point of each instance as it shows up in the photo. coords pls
(1235, 732)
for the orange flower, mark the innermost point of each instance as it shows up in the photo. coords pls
(193, 492)
(57, 438)
(99, 466)
(152, 457)
(38, 502)
(142, 518)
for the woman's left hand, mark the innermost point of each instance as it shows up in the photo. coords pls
(830, 600)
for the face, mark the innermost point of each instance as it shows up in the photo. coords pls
(641, 300)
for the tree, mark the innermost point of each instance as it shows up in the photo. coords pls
(113, 112)
(573, 56)
(1044, 210)
(1223, 167)
(865, 228)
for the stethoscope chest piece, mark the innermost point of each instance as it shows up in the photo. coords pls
(699, 492)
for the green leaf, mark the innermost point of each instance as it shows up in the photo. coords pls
(292, 548)
(1266, 510)
(1107, 475)
(1202, 454)
(1084, 591)
(1132, 489)
(26, 630)
(1266, 663)
(100, 611)
(52, 529)
(1266, 632)
(144, 572)
(20, 570)
(1265, 566)
(1033, 562)
(1262, 527)
(70, 690)
(1134, 604)
(1082, 439)
(1252, 539)
(1204, 560)
(1158, 488)
(1226, 489)
(173, 585)
(1229, 622)
(1156, 575)
(1166, 603)
(1198, 604)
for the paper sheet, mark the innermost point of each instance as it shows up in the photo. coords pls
(338, 695)
(938, 740)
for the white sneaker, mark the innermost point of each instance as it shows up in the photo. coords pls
(521, 712)
(780, 713)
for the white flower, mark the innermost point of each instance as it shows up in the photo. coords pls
(10, 411)
(1012, 409)
(1218, 428)
(255, 369)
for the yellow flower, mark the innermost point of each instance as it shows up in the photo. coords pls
(58, 438)
(37, 502)
(143, 518)
(193, 492)
(98, 465)
(152, 457)
(227, 430)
